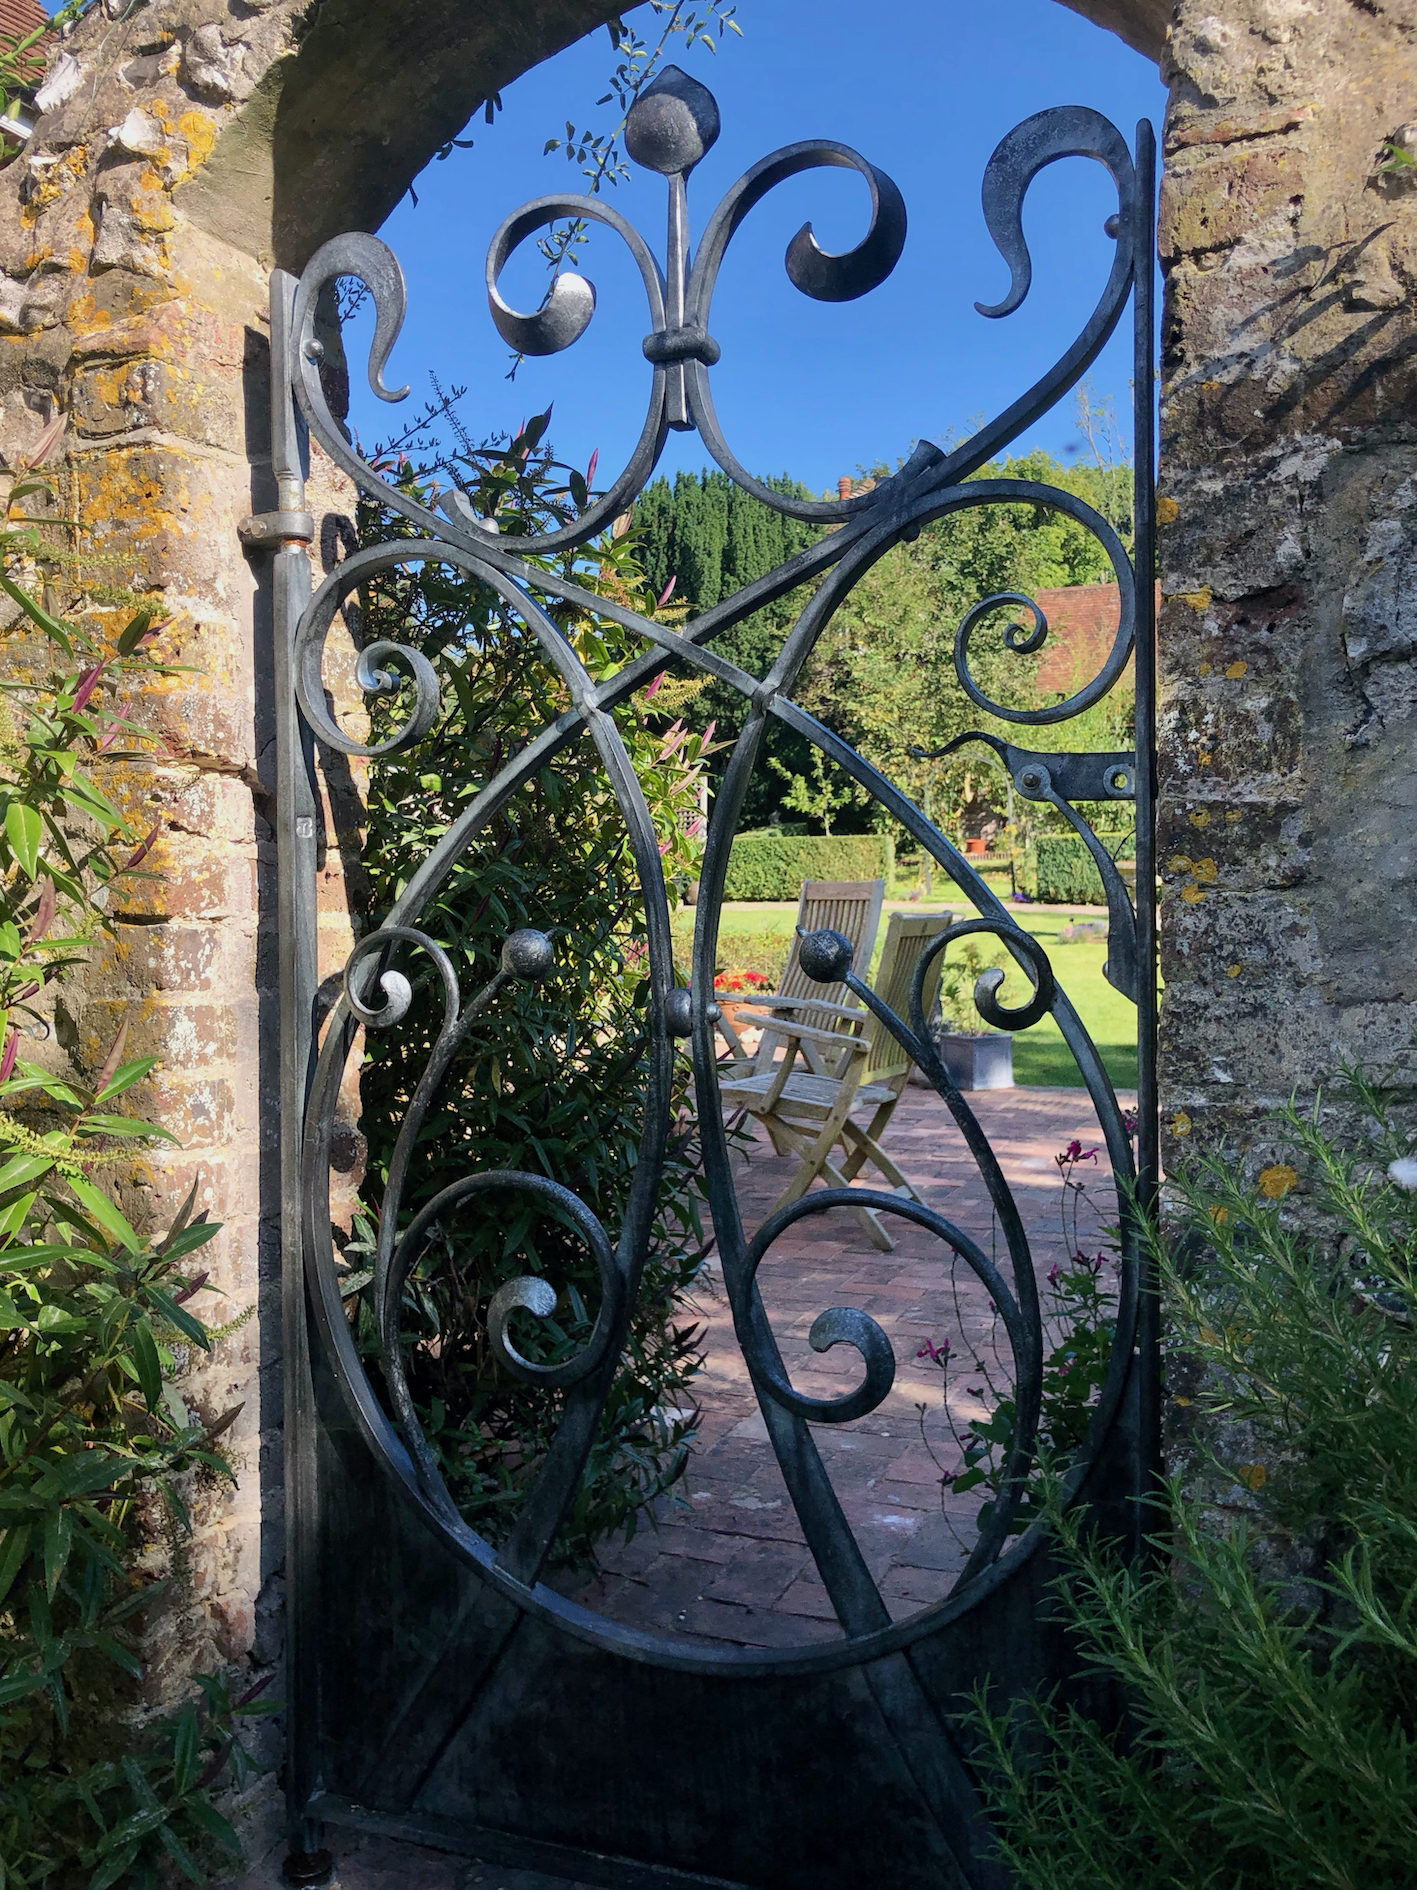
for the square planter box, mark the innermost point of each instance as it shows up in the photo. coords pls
(978, 1060)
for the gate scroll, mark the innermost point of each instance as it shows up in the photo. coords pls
(496, 1637)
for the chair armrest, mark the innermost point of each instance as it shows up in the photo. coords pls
(851, 1011)
(809, 1033)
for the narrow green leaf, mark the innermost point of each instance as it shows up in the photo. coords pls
(14, 1545)
(127, 1126)
(179, 1854)
(21, 1169)
(125, 1076)
(103, 1211)
(149, 1365)
(186, 1750)
(25, 831)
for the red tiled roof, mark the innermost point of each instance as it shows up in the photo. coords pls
(18, 19)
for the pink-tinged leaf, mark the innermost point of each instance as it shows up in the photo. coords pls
(12, 1050)
(143, 851)
(88, 682)
(673, 739)
(590, 470)
(655, 686)
(192, 1286)
(45, 444)
(708, 734)
(115, 729)
(112, 1060)
(667, 592)
(43, 912)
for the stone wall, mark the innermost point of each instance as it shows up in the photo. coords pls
(185, 146)
(1288, 540)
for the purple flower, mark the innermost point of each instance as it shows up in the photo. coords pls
(937, 1354)
(1055, 1273)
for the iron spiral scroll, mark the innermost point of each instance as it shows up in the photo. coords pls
(669, 130)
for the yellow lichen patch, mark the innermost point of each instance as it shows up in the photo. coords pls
(1233, 814)
(1193, 894)
(1253, 1475)
(1205, 669)
(200, 131)
(1204, 758)
(1181, 1123)
(1199, 817)
(1178, 863)
(1277, 1181)
(1205, 872)
(1198, 600)
(1167, 511)
(53, 182)
(1220, 1215)
(85, 316)
(1237, 670)
(1233, 971)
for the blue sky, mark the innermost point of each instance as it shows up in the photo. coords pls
(815, 390)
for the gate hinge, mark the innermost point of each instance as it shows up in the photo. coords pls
(275, 529)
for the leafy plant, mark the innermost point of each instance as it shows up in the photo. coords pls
(1079, 1325)
(554, 1082)
(1268, 1656)
(94, 1317)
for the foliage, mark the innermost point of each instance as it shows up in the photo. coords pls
(767, 866)
(1269, 1655)
(1062, 872)
(1078, 1313)
(599, 153)
(710, 538)
(93, 1315)
(553, 1082)
(882, 674)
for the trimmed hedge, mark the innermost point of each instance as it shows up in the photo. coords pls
(1064, 871)
(773, 866)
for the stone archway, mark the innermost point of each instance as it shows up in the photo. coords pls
(185, 148)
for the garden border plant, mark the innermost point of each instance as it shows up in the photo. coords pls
(1268, 1655)
(96, 1443)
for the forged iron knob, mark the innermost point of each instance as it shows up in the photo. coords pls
(825, 956)
(527, 954)
(672, 124)
(679, 1012)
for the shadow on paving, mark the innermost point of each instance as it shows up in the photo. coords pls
(725, 1558)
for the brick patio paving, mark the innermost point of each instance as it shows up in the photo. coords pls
(727, 1561)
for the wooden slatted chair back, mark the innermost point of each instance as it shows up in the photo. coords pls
(849, 906)
(907, 935)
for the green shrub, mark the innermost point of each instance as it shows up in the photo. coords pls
(552, 1080)
(93, 1316)
(1062, 872)
(770, 866)
(1269, 1661)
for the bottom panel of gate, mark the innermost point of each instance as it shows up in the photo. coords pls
(448, 1716)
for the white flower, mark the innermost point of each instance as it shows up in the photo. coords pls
(1404, 1172)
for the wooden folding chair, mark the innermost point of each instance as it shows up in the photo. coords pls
(849, 906)
(860, 1065)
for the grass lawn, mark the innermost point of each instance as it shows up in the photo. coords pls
(1040, 1055)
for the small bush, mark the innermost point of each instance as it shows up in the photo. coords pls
(770, 866)
(1268, 1656)
(1064, 872)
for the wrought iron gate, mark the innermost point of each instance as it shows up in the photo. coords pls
(437, 1688)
